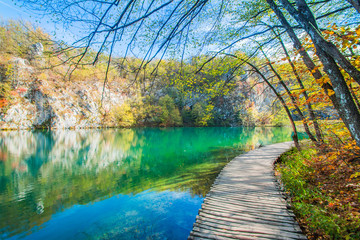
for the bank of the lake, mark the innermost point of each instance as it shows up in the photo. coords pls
(324, 191)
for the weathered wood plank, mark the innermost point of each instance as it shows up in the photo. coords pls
(250, 211)
(274, 220)
(240, 230)
(219, 201)
(245, 203)
(216, 231)
(252, 225)
(244, 192)
(275, 199)
(205, 235)
(246, 234)
(248, 199)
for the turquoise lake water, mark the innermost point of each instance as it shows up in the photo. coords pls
(145, 183)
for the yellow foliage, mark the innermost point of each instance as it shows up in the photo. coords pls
(123, 115)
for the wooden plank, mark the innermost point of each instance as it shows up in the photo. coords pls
(252, 212)
(258, 224)
(195, 236)
(249, 231)
(245, 203)
(234, 215)
(254, 224)
(274, 201)
(202, 235)
(241, 191)
(218, 201)
(246, 234)
(242, 194)
(233, 234)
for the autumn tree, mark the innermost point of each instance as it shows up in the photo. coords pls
(332, 59)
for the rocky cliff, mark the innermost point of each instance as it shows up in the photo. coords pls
(55, 103)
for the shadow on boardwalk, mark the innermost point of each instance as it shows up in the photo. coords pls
(245, 203)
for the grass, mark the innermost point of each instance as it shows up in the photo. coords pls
(324, 192)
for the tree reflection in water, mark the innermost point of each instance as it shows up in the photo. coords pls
(46, 173)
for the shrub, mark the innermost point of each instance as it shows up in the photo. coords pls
(169, 113)
(124, 116)
(201, 113)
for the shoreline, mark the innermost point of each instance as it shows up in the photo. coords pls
(135, 127)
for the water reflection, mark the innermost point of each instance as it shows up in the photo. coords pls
(46, 176)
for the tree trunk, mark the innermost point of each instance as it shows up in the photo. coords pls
(302, 87)
(283, 103)
(342, 99)
(348, 110)
(293, 101)
(355, 4)
(303, 18)
(313, 69)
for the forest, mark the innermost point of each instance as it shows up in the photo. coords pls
(221, 95)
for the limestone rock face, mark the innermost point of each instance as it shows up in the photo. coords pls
(35, 54)
(21, 72)
(47, 104)
(19, 116)
(36, 50)
(44, 112)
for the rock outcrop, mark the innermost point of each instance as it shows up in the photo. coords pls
(35, 54)
(59, 104)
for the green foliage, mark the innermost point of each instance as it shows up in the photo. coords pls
(5, 90)
(170, 114)
(10, 75)
(201, 114)
(147, 111)
(293, 168)
(280, 118)
(152, 112)
(138, 108)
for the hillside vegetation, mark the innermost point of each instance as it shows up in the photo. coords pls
(39, 89)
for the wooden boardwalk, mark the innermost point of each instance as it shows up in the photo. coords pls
(245, 202)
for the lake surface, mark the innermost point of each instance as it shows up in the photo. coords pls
(144, 183)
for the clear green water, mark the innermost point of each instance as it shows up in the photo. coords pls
(114, 184)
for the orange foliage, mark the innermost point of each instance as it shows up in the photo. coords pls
(3, 103)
